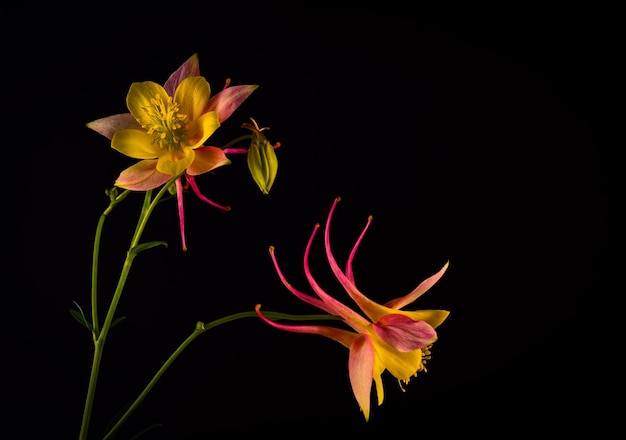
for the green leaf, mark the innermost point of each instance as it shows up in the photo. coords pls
(145, 430)
(114, 435)
(145, 246)
(117, 321)
(79, 315)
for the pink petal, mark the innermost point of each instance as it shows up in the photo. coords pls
(181, 212)
(109, 125)
(351, 317)
(191, 67)
(361, 367)
(235, 150)
(142, 176)
(349, 272)
(398, 303)
(301, 295)
(344, 337)
(372, 309)
(403, 333)
(227, 101)
(207, 159)
(196, 190)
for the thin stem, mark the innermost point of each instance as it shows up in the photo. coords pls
(100, 338)
(115, 200)
(239, 139)
(201, 328)
(144, 208)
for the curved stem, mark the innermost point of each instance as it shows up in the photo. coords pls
(201, 328)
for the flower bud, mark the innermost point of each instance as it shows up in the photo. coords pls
(262, 160)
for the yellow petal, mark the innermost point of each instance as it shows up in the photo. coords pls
(402, 365)
(140, 98)
(376, 311)
(433, 317)
(135, 143)
(380, 390)
(192, 95)
(201, 129)
(173, 164)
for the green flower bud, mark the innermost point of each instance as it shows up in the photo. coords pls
(262, 159)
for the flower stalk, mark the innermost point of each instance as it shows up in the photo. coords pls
(200, 329)
(100, 335)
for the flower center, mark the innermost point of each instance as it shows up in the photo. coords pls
(166, 125)
(422, 367)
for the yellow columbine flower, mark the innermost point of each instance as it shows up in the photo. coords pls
(166, 128)
(171, 127)
(386, 338)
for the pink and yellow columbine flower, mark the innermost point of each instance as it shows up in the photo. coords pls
(167, 127)
(386, 338)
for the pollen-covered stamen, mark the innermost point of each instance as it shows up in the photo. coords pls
(163, 121)
(402, 384)
(425, 357)
(422, 367)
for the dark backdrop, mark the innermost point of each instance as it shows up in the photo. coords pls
(473, 134)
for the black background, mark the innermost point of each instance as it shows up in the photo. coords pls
(477, 135)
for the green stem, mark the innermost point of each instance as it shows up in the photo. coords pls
(201, 328)
(115, 200)
(100, 338)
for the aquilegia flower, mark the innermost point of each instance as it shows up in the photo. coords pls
(386, 338)
(167, 127)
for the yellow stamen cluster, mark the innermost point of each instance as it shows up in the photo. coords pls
(422, 367)
(166, 125)
(425, 357)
